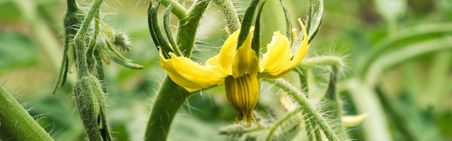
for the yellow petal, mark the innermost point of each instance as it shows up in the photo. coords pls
(278, 60)
(245, 60)
(278, 55)
(303, 48)
(191, 75)
(227, 53)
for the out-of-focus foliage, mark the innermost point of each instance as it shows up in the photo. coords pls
(414, 94)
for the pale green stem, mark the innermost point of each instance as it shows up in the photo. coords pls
(176, 8)
(80, 43)
(441, 66)
(41, 32)
(167, 102)
(232, 19)
(242, 130)
(171, 96)
(15, 122)
(408, 33)
(309, 130)
(280, 122)
(390, 59)
(375, 125)
(303, 102)
(335, 61)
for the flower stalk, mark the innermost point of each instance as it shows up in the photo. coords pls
(303, 102)
(171, 96)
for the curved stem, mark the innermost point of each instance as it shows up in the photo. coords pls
(167, 102)
(334, 61)
(303, 102)
(188, 27)
(281, 121)
(177, 9)
(393, 58)
(15, 122)
(80, 47)
(232, 19)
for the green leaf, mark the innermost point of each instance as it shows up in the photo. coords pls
(16, 50)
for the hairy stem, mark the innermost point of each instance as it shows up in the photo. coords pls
(15, 122)
(171, 96)
(167, 102)
(281, 121)
(177, 9)
(80, 47)
(334, 61)
(232, 19)
(188, 27)
(303, 102)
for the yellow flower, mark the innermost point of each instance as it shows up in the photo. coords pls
(239, 69)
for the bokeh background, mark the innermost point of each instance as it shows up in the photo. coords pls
(415, 94)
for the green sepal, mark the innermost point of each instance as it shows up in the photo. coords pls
(109, 50)
(72, 20)
(169, 34)
(90, 102)
(288, 23)
(157, 36)
(255, 44)
(122, 41)
(314, 18)
(247, 22)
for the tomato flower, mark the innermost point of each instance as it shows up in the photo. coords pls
(238, 68)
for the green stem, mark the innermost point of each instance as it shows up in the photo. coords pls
(171, 96)
(177, 9)
(375, 126)
(15, 122)
(240, 130)
(42, 34)
(80, 47)
(280, 122)
(402, 35)
(188, 27)
(316, 130)
(401, 55)
(303, 102)
(167, 102)
(309, 130)
(394, 112)
(232, 19)
(333, 103)
(334, 61)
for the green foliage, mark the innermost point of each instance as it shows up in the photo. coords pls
(388, 58)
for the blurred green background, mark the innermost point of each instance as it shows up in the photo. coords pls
(414, 94)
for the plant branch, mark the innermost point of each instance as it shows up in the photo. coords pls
(303, 102)
(167, 102)
(15, 122)
(177, 9)
(232, 19)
